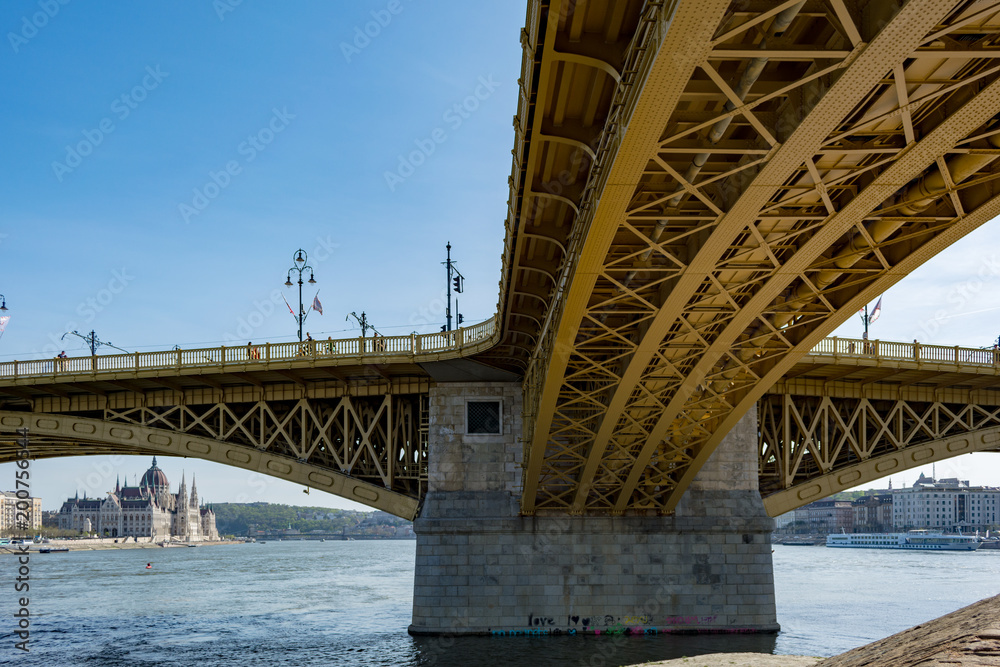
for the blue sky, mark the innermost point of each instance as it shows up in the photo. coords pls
(160, 164)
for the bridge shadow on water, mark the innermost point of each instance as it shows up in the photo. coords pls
(580, 650)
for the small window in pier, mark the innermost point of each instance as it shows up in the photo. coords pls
(482, 418)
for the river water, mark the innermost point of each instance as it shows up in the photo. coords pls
(348, 603)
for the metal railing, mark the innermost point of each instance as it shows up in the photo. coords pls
(466, 340)
(913, 352)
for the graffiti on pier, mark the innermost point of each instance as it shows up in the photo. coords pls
(618, 630)
(608, 624)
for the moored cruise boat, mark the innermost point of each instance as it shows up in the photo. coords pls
(919, 540)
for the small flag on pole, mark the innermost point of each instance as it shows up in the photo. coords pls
(287, 304)
(876, 312)
(3, 322)
(317, 306)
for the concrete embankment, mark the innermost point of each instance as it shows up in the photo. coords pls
(105, 545)
(738, 660)
(969, 637)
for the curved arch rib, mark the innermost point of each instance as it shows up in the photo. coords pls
(145, 440)
(924, 153)
(867, 66)
(685, 43)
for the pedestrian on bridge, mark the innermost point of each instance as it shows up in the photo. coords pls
(304, 348)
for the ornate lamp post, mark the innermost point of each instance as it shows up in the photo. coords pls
(3, 302)
(301, 266)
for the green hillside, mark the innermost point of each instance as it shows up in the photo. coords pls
(241, 518)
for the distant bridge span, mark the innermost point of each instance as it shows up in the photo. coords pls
(350, 417)
(853, 412)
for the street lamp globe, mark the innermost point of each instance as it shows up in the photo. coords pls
(300, 258)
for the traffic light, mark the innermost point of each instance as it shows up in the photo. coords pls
(460, 319)
(457, 282)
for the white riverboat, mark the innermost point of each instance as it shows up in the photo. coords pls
(920, 540)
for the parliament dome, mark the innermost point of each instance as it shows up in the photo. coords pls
(154, 480)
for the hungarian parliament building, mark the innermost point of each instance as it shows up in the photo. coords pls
(148, 510)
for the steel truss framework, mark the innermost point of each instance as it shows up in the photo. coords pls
(371, 449)
(783, 164)
(701, 190)
(814, 446)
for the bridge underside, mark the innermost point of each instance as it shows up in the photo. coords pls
(702, 190)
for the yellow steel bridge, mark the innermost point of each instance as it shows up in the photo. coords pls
(701, 191)
(351, 416)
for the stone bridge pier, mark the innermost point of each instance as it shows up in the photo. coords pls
(481, 568)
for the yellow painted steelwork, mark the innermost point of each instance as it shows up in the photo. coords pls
(369, 450)
(363, 435)
(745, 177)
(854, 411)
(701, 190)
(54, 435)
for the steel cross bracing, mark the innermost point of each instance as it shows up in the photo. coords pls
(854, 411)
(770, 168)
(701, 189)
(368, 448)
(814, 446)
(376, 439)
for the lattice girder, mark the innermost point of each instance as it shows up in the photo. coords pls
(378, 441)
(813, 446)
(798, 191)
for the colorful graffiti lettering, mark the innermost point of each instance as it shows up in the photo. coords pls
(528, 632)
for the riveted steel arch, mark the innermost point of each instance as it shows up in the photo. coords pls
(812, 447)
(783, 163)
(56, 435)
(984, 440)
